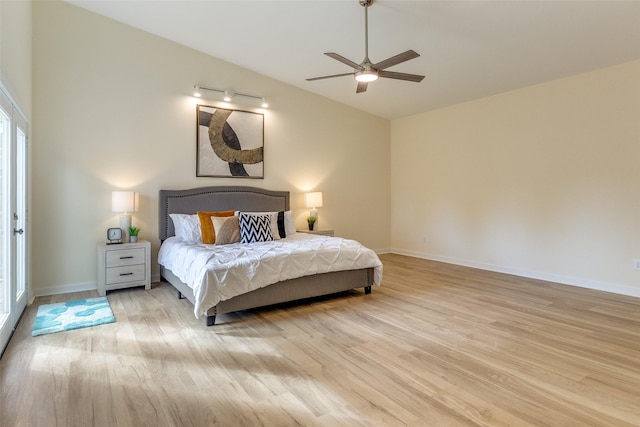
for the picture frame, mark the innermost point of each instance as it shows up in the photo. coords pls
(229, 143)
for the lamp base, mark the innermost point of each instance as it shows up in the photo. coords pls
(125, 223)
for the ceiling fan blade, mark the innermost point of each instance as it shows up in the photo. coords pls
(394, 60)
(344, 60)
(329, 77)
(401, 76)
(362, 87)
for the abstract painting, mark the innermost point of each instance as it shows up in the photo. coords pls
(230, 143)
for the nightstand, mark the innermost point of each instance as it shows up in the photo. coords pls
(325, 232)
(124, 265)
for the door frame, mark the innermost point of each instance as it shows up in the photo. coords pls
(16, 241)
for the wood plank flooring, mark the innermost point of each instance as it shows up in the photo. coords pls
(436, 345)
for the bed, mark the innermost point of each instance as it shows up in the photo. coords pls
(250, 199)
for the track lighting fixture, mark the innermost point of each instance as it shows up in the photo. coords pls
(229, 95)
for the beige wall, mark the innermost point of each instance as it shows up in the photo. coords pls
(15, 51)
(112, 110)
(15, 74)
(541, 182)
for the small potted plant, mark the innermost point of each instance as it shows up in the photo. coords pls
(311, 221)
(133, 234)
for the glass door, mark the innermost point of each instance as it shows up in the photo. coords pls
(13, 215)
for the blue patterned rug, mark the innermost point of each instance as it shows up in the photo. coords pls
(65, 316)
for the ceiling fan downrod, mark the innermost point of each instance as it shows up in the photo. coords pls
(367, 74)
(366, 4)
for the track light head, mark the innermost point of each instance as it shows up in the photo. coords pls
(196, 91)
(228, 95)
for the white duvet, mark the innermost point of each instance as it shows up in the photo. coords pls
(219, 272)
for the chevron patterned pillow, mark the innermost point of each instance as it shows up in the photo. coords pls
(255, 228)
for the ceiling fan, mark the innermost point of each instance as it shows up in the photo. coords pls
(366, 71)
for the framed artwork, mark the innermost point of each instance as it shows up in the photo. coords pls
(230, 143)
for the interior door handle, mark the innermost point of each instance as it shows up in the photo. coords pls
(20, 231)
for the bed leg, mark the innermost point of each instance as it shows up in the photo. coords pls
(367, 290)
(180, 296)
(211, 320)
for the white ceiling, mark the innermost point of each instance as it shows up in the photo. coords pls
(469, 49)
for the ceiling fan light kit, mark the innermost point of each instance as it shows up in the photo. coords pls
(366, 76)
(367, 72)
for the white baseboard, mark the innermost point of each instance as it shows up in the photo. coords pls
(78, 287)
(65, 289)
(564, 280)
(383, 251)
(572, 281)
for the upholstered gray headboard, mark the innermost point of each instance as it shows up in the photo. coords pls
(217, 199)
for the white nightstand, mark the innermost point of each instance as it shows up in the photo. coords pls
(326, 232)
(124, 265)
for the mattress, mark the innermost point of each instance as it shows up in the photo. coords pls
(220, 272)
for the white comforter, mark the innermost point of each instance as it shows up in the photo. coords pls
(217, 273)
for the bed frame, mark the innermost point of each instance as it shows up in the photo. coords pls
(257, 200)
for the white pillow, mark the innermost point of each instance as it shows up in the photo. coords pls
(289, 226)
(187, 227)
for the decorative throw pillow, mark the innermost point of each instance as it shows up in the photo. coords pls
(281, 223)
(187, 227)
(277, 226)
(227, 229)
(255, 228)
(206, 226)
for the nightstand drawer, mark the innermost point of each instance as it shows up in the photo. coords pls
(125, 257)
(129, 273)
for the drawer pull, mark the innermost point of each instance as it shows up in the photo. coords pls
(126, 257)
(126, 274)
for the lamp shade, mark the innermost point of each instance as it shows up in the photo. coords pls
(124, 201)
(314, 200)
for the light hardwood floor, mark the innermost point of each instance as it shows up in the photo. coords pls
(436, 345)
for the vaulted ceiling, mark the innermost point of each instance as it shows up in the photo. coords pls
(468, 49)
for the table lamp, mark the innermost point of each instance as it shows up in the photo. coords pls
(314, 201)
(124, 202)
